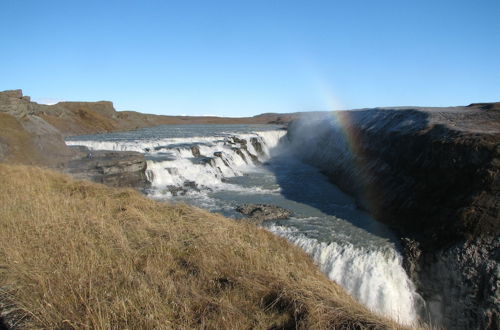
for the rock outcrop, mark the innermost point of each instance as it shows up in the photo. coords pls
(433, 174)
(26, 137)
(113, 168)
(264, 212)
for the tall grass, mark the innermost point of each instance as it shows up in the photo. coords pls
(75, 254)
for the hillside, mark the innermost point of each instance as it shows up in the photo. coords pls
(75, 254)
(32, 133)
(77, 118)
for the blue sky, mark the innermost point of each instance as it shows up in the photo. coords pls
(239, 58)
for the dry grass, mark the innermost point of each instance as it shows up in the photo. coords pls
(76, 254)
(82, 121)
(19, 142)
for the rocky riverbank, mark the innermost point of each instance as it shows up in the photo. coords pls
(26, 136)
(112, 168)
(433, 174)
(32, 133)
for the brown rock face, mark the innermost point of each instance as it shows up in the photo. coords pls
(15, 93)
(13, 103)
(105, 108)
(27, 138)
(113, 168)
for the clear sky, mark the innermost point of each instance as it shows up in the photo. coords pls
(239, 58)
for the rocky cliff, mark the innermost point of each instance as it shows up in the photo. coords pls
(433, 174)
(27, 137)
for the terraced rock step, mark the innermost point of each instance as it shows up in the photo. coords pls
(113, 168)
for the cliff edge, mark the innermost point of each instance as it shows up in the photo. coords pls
(433, 174)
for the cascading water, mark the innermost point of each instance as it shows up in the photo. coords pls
(374, 276)
(219, 167)
(204, 161)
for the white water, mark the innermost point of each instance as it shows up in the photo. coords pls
(375, 277)
(172, 161)
(348, 245)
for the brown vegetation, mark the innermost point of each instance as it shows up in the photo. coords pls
(75, 254)
(16, 144)
(76, 118)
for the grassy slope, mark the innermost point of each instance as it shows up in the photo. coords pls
(79, 254)
(84, 118)
(82, 121)
(19, 143)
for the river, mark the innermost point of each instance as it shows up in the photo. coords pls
(219, 167)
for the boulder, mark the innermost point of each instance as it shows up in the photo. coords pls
(182, 190)
(264, 212)
(196, 151)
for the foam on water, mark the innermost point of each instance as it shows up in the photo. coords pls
(173, 161)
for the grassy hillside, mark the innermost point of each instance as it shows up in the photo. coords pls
(74, 254)
(16, 144)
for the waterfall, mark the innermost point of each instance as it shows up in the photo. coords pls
(374, 277)
(188, 165)
(201, 161)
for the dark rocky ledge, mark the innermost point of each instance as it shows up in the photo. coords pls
(433, 174)
(113, 168)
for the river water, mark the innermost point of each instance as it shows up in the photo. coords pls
(218, 167)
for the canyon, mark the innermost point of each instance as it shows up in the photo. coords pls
(433, 174)
(430, 174)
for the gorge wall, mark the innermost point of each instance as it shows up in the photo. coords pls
(433, 175)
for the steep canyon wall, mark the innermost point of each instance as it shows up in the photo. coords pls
(433, 174)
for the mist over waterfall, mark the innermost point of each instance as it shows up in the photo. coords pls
(219, 167)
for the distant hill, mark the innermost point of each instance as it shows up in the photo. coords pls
(74, 118)
(33, 133)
